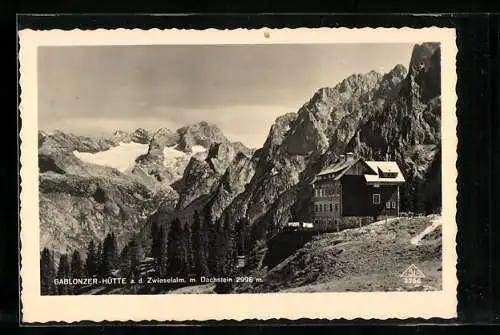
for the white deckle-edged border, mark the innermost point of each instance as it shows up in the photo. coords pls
(348, 305)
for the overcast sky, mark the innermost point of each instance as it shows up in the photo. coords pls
(243, 88)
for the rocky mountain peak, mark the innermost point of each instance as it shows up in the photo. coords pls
(163, 137)
(421, 56)
(388, 83)
(398, 71)
(220, 156)
(42, 136)
(280, 128)
(329, 99)
(58, 140)
(121, 136)
(202, 133)
(358, 84)
(353, 86)
(141, 135)
(240, 147)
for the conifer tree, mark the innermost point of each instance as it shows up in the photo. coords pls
(91, 261)
(407, 199)
(109, 255)
(155, 241)
(99, 260)
(47, 273)
(230, 251)
(125, 267)
(190, 261)
(419, 196)
(196, 237)
(241, 236)
(176, 250)
(76, 265)
(115, 260)
(205, 242)
(162, 247)
(134, 256)
(213, 251)
(63, 271)
(76, 268)
(221, 243)
(227, 255)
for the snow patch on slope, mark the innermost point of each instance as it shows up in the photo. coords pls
(198, 148)
(429, 229)
(172, 156)
(121, 157)
(177, 159)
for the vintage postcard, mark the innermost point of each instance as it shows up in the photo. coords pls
(179, 175)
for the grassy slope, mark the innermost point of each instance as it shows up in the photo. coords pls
(370, 258)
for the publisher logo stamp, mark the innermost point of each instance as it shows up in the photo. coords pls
(412, 275)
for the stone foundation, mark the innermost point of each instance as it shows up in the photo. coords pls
(355, 221)
(349, 222)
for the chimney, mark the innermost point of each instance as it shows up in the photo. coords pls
(350, 156)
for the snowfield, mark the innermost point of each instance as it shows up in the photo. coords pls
(197, 148)
(170, 155)
(174, 158)
(121, 157)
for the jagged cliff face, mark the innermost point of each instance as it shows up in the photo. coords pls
(300, 144)
(80, 202)
(202, 133)
(76, 209)
(162, 164)
(408, 129)
(70, 142)
(215, 193)
(170, 153)
(201, 175)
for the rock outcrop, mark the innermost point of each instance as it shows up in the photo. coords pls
(70, 142)
(200, 176)
(217, 191)
(80, 202)
(170, 153)
(155, 165)
(140, 136)
(203, 134)
(75, 209)
(408, 128)
(197, 180)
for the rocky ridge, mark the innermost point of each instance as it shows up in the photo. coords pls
(80, 201)
(300, 144)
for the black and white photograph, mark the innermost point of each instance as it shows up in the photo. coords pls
(196, 169)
